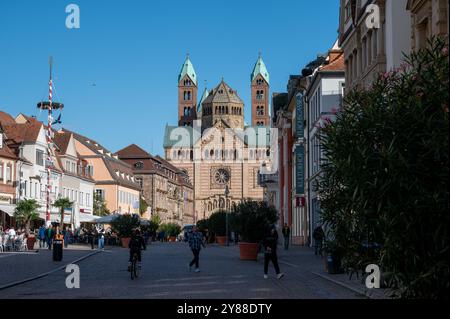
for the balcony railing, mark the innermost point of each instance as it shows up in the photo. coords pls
(265, 179)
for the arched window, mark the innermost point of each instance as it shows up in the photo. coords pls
(226, 109)
(174, 154)
(215, 110)
(240, 111)
(211, 153)
(209, 206)
(192, 154)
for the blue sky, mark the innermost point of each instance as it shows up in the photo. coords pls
(133, 51)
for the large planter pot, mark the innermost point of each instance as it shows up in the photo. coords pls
(30, 242)
(172, 238)
(221, 240)
(125, 241)
(248, 251)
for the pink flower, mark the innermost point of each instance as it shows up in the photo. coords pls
(445, 51)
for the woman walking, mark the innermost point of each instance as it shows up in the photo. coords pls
(270, 243)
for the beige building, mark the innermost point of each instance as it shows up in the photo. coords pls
(165, 188)
(428, 18)
(216, 148)
(375, 34)
(114, 179)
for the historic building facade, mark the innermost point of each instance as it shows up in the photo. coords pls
(165, 188)
(214, 146)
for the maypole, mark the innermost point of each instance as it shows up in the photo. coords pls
(49, 139)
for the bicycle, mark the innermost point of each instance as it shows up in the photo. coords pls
(134, 269)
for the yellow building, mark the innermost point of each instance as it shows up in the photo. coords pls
(114, 179)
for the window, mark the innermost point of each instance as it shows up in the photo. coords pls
(74, 168)
(81, 198)
(39, 158)
(1, 171)
(347, 10)
(87, 199)
(100, 193)
(139, 181)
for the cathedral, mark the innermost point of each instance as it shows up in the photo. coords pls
(221, 154)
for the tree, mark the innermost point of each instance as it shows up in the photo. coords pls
(99, 204)
(26, 211)
(62, 204)
(124, 224)
(384, 187)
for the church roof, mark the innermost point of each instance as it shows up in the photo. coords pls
(204, 96)
(223, 93)
(260, 68)
(188, 69)
(260, 137)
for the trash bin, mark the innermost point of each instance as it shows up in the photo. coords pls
(58, 249)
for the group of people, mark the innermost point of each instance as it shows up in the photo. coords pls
(196, 241)
(46, 235)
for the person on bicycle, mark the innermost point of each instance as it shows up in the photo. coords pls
(136, 243)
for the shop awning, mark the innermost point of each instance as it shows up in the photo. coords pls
(8, 209)
(87, 218)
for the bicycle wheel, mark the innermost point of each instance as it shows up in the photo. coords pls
(136, 267)
(133, 266)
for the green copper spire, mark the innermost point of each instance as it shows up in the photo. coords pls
(260, 68)
(204, 96)
(188, 69)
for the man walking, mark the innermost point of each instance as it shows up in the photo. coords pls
(101, 239)
(49, 234)
(318, 236)
(286, 234)
(41, 236)
(195, 241)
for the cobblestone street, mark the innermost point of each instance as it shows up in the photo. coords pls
(165, 275)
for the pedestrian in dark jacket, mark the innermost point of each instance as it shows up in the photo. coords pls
(91, 237)
(49, 234)
(286, 235)
(318, 236)
(195, 241)
(270, 243)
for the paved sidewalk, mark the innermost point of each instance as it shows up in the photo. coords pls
(304, 260)
(17, 266)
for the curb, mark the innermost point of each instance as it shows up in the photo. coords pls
(358, 291)
(16, 283)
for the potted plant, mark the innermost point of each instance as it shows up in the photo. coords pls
(124, 225)
(172, 230)
(251, 219)
(26, 212)
(217, 224)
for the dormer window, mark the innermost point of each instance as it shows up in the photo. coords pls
(139, 165)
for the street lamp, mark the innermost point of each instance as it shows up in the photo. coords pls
(227, 191)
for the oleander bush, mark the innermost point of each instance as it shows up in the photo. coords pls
(384, 187)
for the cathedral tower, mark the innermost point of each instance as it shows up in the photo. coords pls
(187, 94)
(260, 94)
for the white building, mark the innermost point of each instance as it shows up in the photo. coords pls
(70, 176)
(322, 99)
(76, 183)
